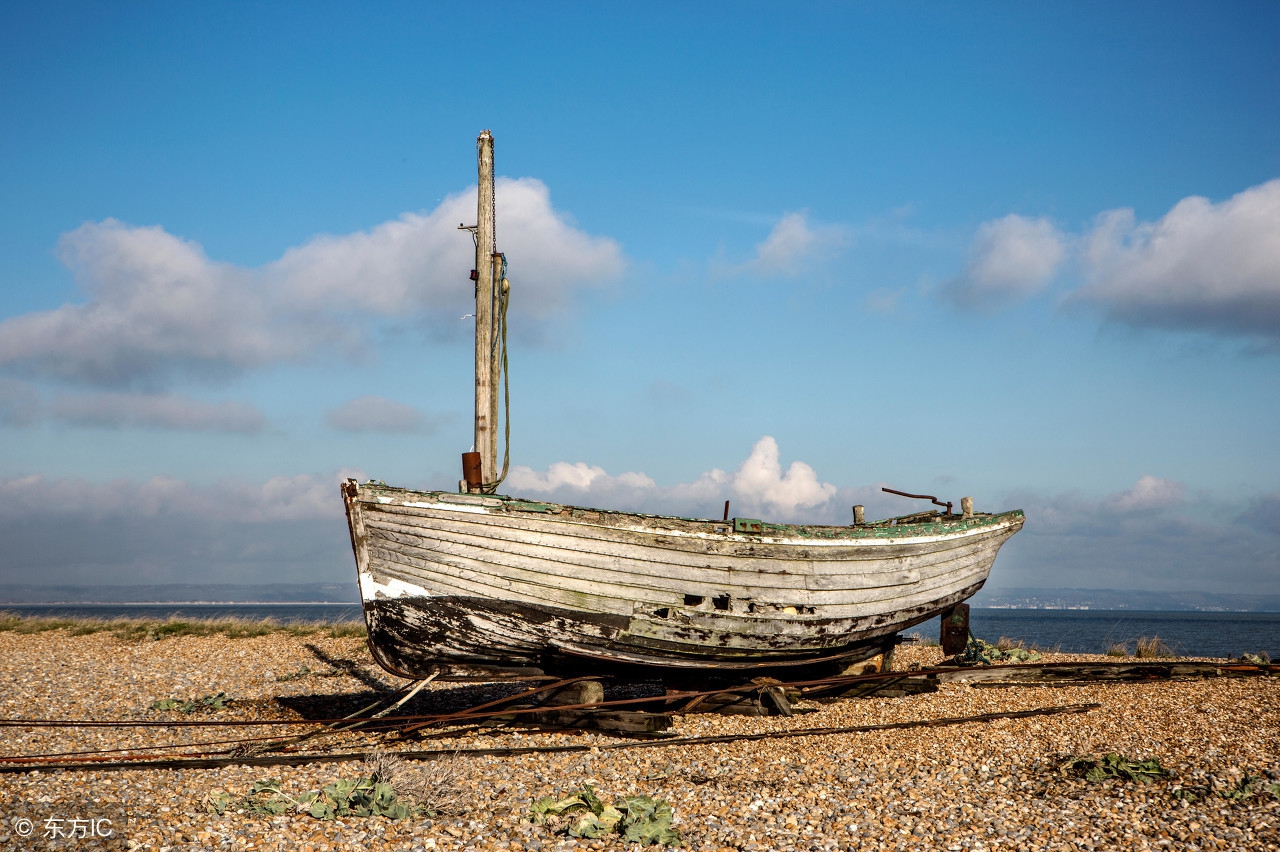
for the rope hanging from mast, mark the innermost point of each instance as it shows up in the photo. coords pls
(500, 340)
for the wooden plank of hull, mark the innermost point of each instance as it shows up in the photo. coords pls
(539, 576)
(480, 583)
(641, 571)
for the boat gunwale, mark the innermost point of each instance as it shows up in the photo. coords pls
(882, 531)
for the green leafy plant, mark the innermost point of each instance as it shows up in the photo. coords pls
(254, 802)
(1247, 788)
(1114, 766)
(206, 702)
(298, 675)
(345, 797)
(639, 819)
(304, 672)
(978, 652)
(1262, 658)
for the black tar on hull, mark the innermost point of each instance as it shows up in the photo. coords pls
(470, 638)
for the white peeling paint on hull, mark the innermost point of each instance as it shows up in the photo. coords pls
(452, 579)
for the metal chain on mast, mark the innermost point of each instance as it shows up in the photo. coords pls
(493, 196)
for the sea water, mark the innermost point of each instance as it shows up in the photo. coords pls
(1192, 634)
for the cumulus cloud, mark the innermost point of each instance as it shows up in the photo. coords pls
(578, 476)
(761, 477)
(155, 411)
(790, 248)
(759, 486)
(1148, 493)
(1011, 259)
(156, 305)
(379, 414)
(421, 261)
(1202, 267)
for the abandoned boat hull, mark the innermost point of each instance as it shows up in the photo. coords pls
(465, 583)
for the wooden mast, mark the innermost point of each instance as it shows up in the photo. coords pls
(486, 425)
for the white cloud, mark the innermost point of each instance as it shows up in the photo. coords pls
(379, 414)
(1011, 259)
(760, 479)
(422, 261)
(1202, 267)
(155, 411)
(1148, 493)
(578, 476)
(790, 248)
(758, 486)
(156, 305)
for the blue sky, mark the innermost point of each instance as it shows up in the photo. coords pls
(783, 255)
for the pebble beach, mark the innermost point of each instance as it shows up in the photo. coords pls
(972, 786)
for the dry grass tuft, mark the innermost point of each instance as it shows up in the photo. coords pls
(1004, 643)
(435, 787)
(1152, 648)
(1120, 649)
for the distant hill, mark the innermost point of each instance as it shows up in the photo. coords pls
(1028, 598)
(184, 593)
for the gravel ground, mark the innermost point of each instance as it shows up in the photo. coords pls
(993, 785)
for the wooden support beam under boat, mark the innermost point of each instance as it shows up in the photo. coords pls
(955, 630)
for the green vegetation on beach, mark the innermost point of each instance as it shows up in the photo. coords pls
(138, 629)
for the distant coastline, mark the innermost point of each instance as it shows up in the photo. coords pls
(1124, 599)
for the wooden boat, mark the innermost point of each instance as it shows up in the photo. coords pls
(475, 584)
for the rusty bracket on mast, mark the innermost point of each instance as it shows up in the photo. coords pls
(935, 500)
